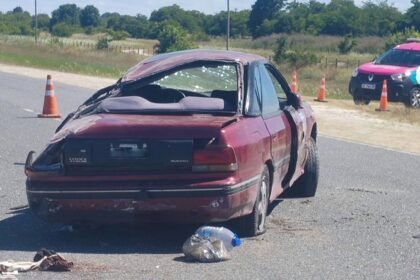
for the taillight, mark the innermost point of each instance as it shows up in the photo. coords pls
(214, 159)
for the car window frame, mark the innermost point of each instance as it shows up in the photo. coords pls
(277, 111)
(282, 81)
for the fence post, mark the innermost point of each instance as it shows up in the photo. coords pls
(336, 63)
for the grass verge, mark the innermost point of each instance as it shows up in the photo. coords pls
(67, 59)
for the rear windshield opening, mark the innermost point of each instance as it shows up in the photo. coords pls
(197, 88)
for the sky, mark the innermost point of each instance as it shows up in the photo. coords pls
(145, 7)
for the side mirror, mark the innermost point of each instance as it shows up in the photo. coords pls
(295, 100)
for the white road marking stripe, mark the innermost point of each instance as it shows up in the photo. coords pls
(28, 110)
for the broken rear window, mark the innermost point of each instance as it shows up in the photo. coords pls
(207, 87)
(203, 79)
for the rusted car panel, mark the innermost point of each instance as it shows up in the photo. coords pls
(182, 137)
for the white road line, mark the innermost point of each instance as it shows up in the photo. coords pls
(28, 110)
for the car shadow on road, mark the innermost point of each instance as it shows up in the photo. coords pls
(23, 231)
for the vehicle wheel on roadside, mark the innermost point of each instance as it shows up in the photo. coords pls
(254, 223)
(413, 100)
(358, 100)
(307, 184)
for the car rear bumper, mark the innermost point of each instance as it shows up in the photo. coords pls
(135, 202)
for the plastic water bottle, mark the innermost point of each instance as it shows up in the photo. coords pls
(228, 238)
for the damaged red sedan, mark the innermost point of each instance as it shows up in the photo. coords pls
(196, 136)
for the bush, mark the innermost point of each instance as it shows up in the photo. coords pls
(300, 58)
(118, 35)
(280, 50)
(62, 30)
(401, 37)
(102, 43)
(173, 38)
(347, 44)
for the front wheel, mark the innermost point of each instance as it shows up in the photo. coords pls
(413, 100)
(307, 184)
(254, 224)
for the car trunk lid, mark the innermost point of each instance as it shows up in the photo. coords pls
(126, 143)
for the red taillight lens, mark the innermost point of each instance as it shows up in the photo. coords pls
(213, 159)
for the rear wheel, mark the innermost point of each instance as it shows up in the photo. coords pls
(254, 224)
(413, 99)
(358, 100)
(307, 184)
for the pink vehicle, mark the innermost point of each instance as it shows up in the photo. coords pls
(196, 136)
(395, 66)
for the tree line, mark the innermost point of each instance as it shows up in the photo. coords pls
(338, 17)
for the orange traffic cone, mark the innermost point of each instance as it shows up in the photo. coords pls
(322, 91)
(383, 103)
(294, 87)
(50, 109)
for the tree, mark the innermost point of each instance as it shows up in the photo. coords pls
(263, 10)
(68, 14)
(173, 38)
(379, 18)
(341, 17)
(16, 22)
(412, 15)
(192, 21)
(216, 25)
(43, 21)
(89, 16)
(17, 10)
(137, 27)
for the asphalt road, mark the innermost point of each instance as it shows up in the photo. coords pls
(364, 222)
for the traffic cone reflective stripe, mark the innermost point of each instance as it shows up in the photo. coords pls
(294, 87)
(383, 103)
(50, 109)
(49, 89)
(322, 91)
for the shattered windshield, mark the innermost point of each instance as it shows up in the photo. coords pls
(207, 87)
(400, 57)
(204, 79)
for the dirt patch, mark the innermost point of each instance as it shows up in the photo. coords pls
(362, 126)
(396, 130)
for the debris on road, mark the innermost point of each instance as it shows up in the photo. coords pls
(44, 260)
(416, 236)
(210, 244)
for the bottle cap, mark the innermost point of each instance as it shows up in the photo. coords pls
(236, 241)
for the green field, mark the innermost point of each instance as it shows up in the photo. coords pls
(78, 55)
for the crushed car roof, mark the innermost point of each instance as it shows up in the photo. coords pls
(163, 62)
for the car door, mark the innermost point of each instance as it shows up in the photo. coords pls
(276, 123)
(296, 120)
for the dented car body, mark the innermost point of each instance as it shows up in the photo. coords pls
(196, 136)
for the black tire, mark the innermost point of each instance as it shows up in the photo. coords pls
(307, 184)
(254, 223)
(358, 100)
(413, 99)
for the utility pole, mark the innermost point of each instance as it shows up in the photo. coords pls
(36, 24)
(228, 26)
